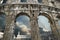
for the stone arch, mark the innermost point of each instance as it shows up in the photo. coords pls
(52, 25)
(21, 13)
(50, 22)
(46, 15)
(49, 18)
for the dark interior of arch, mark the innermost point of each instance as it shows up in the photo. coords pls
(58, 0)
(23, 20)
(2, 13)
(39, 1)
(58, 16)
(22, 13)
(46, 15)
(4, 1)
(23, 0)
(2, 21)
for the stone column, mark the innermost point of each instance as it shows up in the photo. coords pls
(54, 29)
(34, 28)
(45, 2)
(9, 1)
(8, 33)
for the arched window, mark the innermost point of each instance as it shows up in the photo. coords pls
(3, 1)
(22, 27)
(23, 0)
(44, 23)
(39, 1)
(2, 21)
(44, 27)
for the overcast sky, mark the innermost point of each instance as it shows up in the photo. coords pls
(24, 20)
(42, 21)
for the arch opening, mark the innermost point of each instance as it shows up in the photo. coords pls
(2, 23)
(46, 15)
(22, 27)
(44, 22)
(21, 13)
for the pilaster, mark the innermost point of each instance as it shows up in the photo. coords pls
(34, 28)
(8, 33)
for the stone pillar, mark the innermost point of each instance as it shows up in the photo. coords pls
(8, 33)
(57, 22)
(34, 28)
(54, 29)
(45, 2)
(55, 32)
(9, 1)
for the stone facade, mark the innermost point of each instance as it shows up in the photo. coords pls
(32, 9)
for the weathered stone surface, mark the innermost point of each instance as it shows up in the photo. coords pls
(33, 10)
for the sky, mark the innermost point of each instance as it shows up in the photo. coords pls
(23, 20)
(42, 22)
